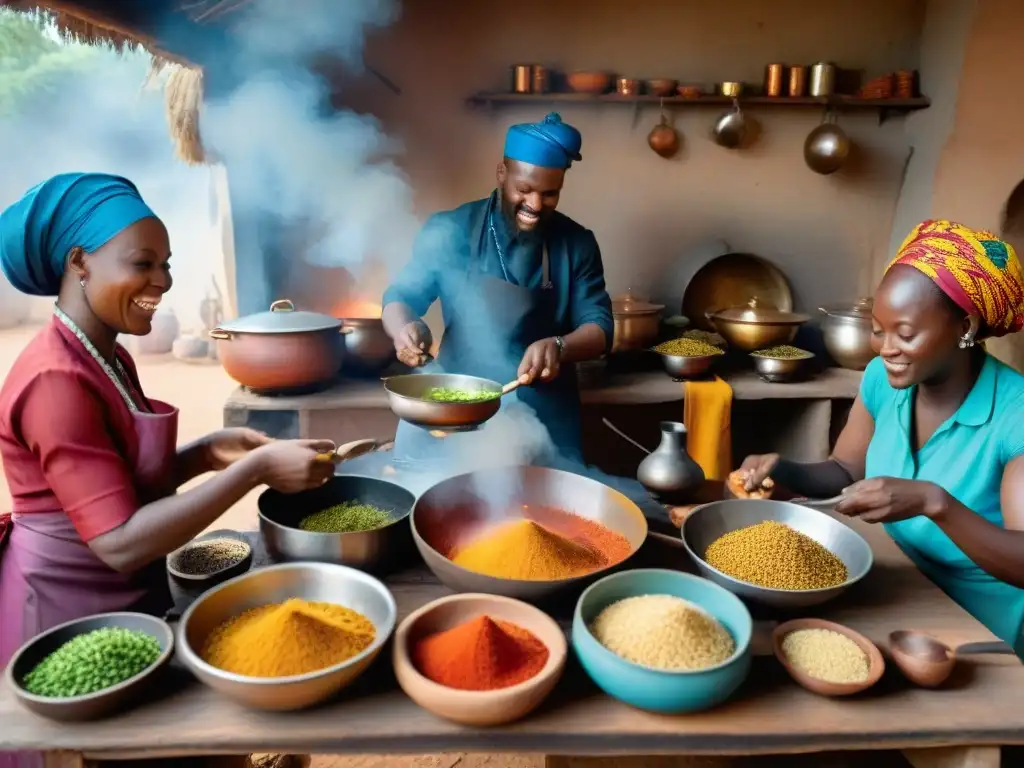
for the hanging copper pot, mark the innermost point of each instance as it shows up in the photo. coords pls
(663, 138)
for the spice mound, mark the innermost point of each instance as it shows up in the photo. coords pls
(771, 554)
(783, 352)
(664, 632)
(528, 551)
(737, 485)
(206, 557)
(450, 395)
(295, 637)
(688, 347)
(826, 655)
(482, 654)
(347, 517)
(93, 662)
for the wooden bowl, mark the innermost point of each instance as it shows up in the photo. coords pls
(924, 661)
(589, 82)
(478, 708)
(690, 91)
(876, 664)
(192, 581)
(90, 706)
(660, 86)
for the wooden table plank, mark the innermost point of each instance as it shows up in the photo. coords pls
(770, 715)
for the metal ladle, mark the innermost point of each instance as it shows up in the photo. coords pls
(731, 128)
(928, 662)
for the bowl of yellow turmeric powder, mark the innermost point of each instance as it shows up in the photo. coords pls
(287, 636)
(524, 532)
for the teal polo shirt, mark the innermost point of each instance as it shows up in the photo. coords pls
(966, 456)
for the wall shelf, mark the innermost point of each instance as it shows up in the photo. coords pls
(885, 107)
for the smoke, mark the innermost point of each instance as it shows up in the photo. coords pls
(328, 176)
(75, 108)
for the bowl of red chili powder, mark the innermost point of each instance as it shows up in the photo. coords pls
(479, 660)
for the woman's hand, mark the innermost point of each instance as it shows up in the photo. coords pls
(226, 446)
(889, 500)
(758, 469)
(290, 466)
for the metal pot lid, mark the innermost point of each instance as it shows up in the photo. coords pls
(627, 303)
(861, 309)
(282, 317)
(757, 314)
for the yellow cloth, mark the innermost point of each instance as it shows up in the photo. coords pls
(707, 411)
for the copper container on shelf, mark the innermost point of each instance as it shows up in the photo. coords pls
(541, 79)
(522, 78)
(773, 80)
(797, 81)
(731, 89)
(627, 86)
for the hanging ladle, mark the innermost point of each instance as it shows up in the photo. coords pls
(928, 662)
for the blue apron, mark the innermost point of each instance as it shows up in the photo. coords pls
(515, 317)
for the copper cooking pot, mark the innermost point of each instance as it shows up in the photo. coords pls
(282, 348)
(637, 324)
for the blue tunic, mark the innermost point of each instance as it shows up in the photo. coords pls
(443, 250)
(494, 302)
(966, 456)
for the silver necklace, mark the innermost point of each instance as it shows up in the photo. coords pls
(107, 369)
(501, 257)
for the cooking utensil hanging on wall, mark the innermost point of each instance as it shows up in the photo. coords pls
(663, 138)
(731, 128)
(827, 147)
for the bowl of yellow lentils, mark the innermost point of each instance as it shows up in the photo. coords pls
(775, 552)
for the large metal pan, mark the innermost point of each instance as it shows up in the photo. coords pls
(456, 508)
(407, 398)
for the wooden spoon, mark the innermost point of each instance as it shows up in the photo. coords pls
(927, 661)
(349, 451)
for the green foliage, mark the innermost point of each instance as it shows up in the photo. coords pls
(33, 60)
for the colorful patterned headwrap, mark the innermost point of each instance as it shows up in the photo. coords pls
(977, 270)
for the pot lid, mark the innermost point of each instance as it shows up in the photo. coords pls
(282, 317)
(627, 303)
(861, 309)
(756, 313)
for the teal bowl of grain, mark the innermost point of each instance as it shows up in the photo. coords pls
(665, 691)
(387, 543)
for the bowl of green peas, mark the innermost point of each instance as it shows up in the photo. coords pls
(90, 668)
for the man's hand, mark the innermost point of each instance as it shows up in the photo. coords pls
(412, 344)
(541, 361)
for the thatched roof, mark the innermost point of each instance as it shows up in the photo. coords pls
(126, 23)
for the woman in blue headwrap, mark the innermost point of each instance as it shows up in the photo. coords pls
(91, 462)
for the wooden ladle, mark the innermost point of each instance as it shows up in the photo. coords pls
(927, 661)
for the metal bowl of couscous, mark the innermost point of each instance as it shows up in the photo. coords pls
(798, 587)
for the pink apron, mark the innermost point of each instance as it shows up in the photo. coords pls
(48, 575)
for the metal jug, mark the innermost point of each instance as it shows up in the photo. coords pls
(669, 473)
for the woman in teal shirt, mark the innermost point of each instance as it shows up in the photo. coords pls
(934, 445)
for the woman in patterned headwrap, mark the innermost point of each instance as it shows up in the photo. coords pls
(934, 446)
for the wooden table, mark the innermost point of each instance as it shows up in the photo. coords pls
(961, 725)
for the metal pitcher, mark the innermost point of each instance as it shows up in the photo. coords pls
(669, 473)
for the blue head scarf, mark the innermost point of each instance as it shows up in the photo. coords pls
(74, 209)
(550, 143)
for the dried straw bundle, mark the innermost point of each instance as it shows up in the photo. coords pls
(183, 100)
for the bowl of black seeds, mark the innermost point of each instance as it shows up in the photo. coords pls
(92, 667)
(210, 559)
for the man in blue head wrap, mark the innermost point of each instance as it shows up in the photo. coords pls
(521, 286)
